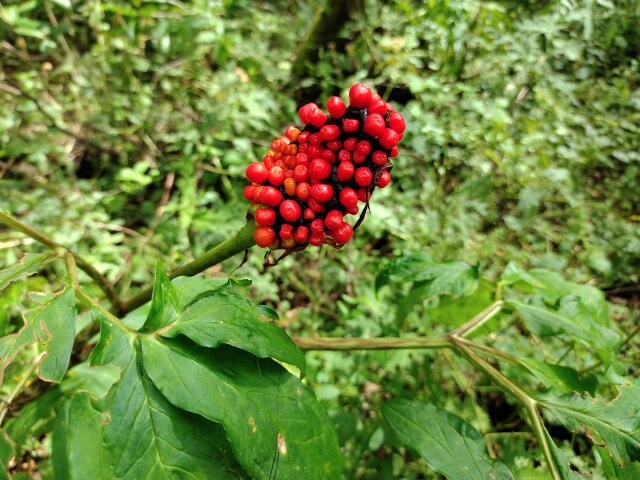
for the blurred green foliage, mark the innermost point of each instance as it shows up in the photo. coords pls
(125, 128)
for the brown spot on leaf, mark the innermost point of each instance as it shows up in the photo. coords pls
(282, 445)
(252, 422)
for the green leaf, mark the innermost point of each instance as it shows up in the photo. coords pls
(448, 278)
(52, 324)
(564, 379)
(574, 319)
(566, 473)
(450, 446)
(229, 319)
(192, 289)
(134, 432)
(552, 287)
(37, 416)
(613, 424)
(164, 301)
(29, 264)
(6, 453)
(613, 471)
(273, 421)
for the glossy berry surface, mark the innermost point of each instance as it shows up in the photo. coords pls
(313, 179)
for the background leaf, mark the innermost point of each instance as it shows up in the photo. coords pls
(449, 445)
(614, 425)
(29, 264)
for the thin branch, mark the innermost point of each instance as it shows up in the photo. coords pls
(384, 343)
(479, 320)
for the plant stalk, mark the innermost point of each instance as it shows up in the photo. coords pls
(241, 241)
(527, 402)
(388, 343)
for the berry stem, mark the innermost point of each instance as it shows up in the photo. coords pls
(384, 343)
(241, 241)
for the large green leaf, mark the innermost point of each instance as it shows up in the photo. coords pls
(566, 473)
(134, 432)
(221, 318)
(450, 446)
(571, 318)
(29, 264)
(613, 424)
(52, 324)
(273, 421)
(198, 308)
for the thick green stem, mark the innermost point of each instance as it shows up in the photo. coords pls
(83, 264)
(527, 402)
(388, 343)
(241, 241)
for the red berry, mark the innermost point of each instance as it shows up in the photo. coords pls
(377, 107)
(276, 176)
(301, 235)
(363, 195)
(315, 151)
(394, 152)
(303, 112)
(333, 219)
(301, 173)
(336, 107)
(315, 139)
(290, 210)
(359, 95)
(322, 192)
(344, 156)
(286, 231)
(315, 206)
(270, 196)
(264, 236)
(249, 191)
(317, 117)
(353, 210)
(343, 233)
(316, 239)
(379, 157)
(358, 157)
(334, 145)
(292, 133)
(308, 214)
(350, 125)
(329, 156)
(349, 198)
(384, 179)
(350, 144)
(363, 147)
(374, 125)
(303, 137)
(290, 184)
(363, 176)
(389, 138)
(303, 191)
(317, 226)
(265, 216)
(396, 121)
(302, 159)
(345, 171)
(257, 172)
(319, 169)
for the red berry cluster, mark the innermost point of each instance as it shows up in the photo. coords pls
(310, 179)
